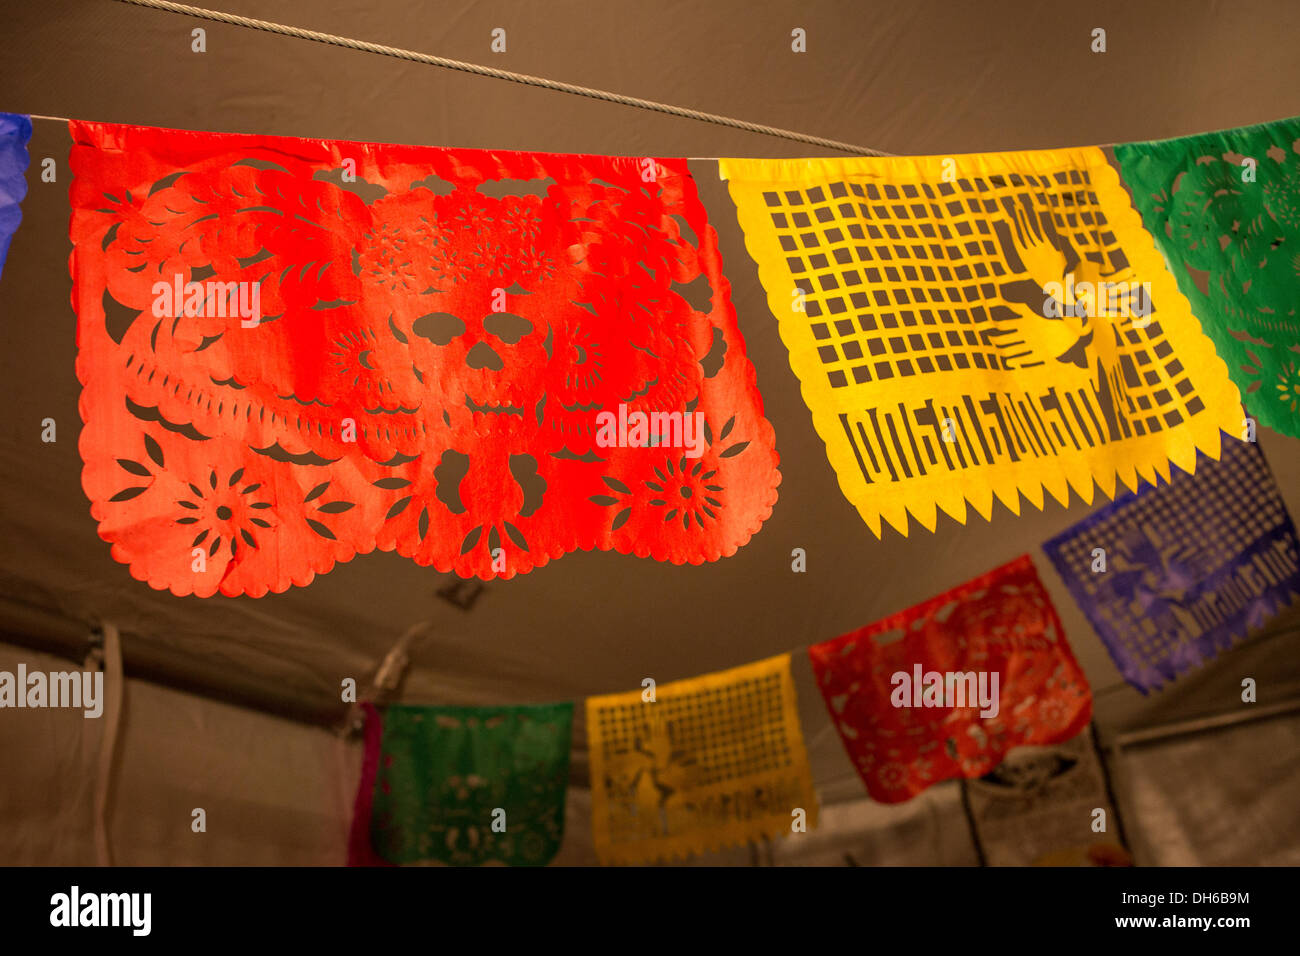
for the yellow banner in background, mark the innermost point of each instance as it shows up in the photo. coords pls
(980, 325)
(708, 763)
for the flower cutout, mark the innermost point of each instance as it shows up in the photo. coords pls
(384, 258)
(892, 775)
(353, 360)
(685, 490)
(224, 512)
(682, 489)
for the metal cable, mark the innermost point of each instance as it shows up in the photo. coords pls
(219, 16)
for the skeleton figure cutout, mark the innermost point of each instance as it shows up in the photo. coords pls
(436, 337)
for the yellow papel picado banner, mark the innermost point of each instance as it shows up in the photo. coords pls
(980, 325)
(698, 765)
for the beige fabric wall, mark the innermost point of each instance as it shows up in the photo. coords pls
(279, 793)
(1226, 798)
(275, 792)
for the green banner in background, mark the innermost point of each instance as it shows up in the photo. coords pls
(470, 785)
(1225, 209)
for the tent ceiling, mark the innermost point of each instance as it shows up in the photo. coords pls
(920, 78)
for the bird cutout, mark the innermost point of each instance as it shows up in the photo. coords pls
(1041, 325)
(1146, 571)
(655, 770)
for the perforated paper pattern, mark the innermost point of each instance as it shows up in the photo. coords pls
(471, 785)
(927, 306)
(1002, 622)
(710, 762)
(1225, 209)
(1191, 566)
(15, 132)
(440, 333)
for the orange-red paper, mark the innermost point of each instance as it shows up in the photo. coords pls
(1002, 622)
(438, 331)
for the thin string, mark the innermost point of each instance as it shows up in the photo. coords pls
(219, 16)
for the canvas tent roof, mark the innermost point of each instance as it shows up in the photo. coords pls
(914, 78)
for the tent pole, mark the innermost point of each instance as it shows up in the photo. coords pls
(1200, 725)
(388, 677)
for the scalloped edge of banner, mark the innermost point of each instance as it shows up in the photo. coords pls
(747, 376)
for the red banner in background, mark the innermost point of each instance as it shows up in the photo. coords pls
(946, 688)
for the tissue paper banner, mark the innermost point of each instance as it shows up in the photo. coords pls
(1225, 209)
(295, 351)
(471, 785)
(708, 763)
(1039, 806)
(1174, 574)
(946, 688)
(981, 325)
(15, 132)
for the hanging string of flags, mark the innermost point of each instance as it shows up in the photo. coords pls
(293, 352)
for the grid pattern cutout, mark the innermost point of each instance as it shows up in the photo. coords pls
(728, 732)
(1166, 547)
(902, 280)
